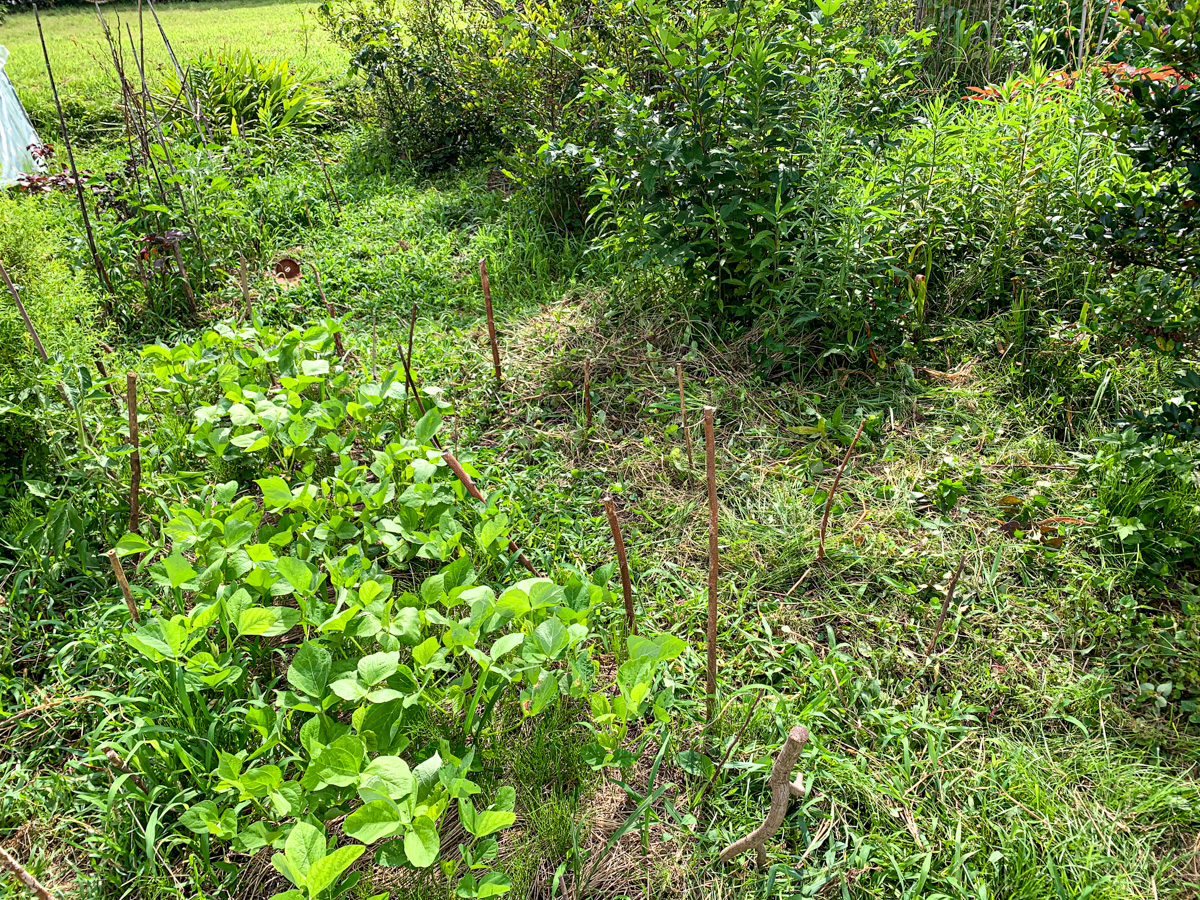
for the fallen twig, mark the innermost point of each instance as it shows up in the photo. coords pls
(782, 789)
(833, 490)
(12, 289)
(113, 757)
(724, 759)
(337, 335)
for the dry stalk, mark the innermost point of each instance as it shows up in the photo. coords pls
(610, 509)
(491, 321)
(587, 393)
(710, 449)
(115, 759)
(37, 341)
(687, 434)
(724, 759)
(244, 282)
(135, 458)
(937, 629)
(461, 473)
(782, 789)
(187, 287)
(337, 336)
(39, 890)
(119, 571)
(62, 124)
(833, 490)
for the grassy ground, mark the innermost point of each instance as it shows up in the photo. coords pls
(83, 63)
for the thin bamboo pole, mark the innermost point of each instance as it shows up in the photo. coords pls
(713, 552)
(123, 583)
(610, 509)
(491, 321)
(135, 458)
(833, 490)
(687, 434)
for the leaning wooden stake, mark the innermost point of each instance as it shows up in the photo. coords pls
(610, 509)
(491, 321)
(244, 282)
(587, 393)
(937, 629)
(337, 335)
(8, 863)
(62, 124)
(183, 274)
(12, 289)
(710, 449)
(833, 490)
(687, 434)
(115, 759)
(458, 470)
(782, 788)
(119, 571)
(135, 458)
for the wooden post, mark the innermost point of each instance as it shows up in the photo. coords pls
(711, 631)
(491, 321)
(469, 484)
(833, 490)
(587, 393)
(12, 289)
(187, 287)
(245, 285)
(328, 182)
(687, 434)
(62, 124)
(135, 458)
(10, 864)
(782, 789)
(610, 509)
(119, 571)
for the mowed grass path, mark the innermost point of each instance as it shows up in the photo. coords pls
(83, 64)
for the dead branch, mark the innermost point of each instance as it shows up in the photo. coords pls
(115, 759)
(491, 322)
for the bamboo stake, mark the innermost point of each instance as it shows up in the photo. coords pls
(193, 104)
(491, 322)
(39, 890)
(62, 123)
(469, 484)
(782, 789)
(187, 287)
(37, 341)
(937, 629)
(135, 459)
(115, 759)
(711, 631)
(374, 346)
(833, 490)
(119, 571)
(683, 413)
(587, 393)
(330, 184)
(610, 509)
(337, 336)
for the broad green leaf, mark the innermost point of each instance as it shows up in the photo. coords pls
(424, 652)
(373, 822)
(178, 569)
(376, 667)
(297, 572)
(392, 775)
(428, 426)
(421, 844)
(406, 625)
(130, 544)
(304, 846)
(267, 621)
(275, 491)
(326, 870)
(506, 644)
(309, 671)
(551, 637)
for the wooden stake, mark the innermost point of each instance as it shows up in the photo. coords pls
(687, 434)
(457, 469)
(119, 571)
(587, 393)
(833, 490)
(937, 629)
(610, 509)
(39, 890)
(62, 124)
(710, 449)
(37, 341)
(491, 322)
(332, 192)
(337, 336)
(183, 82)
(115, 759)
(782, 789)
(244, 281)
(135, 458)
(187, 287)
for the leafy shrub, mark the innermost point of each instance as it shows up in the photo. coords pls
(240, 95)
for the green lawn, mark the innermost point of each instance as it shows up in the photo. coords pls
(83, 64)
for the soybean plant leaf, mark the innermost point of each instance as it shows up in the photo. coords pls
(425, 651)
(370, 823)
(285, 868)
(267, 621)
(326, 870)
(178, 569)
(506, 644)
(202, 818)
(492, 820)
(375, 667)
(391, 854)
(493, 884)
(275, 491)
(428, 426)
(130, 544)
(309, 671)
(422, 843)
(393, 774)
(406, 625)
(541, 695)
(304, 846)
(297, 572)
(551, 637)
